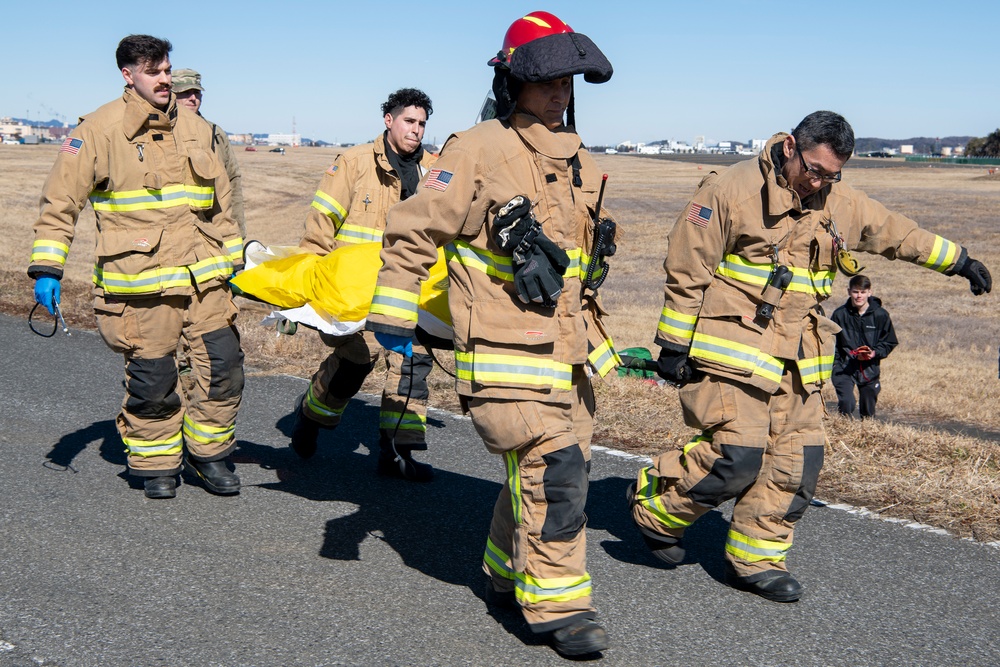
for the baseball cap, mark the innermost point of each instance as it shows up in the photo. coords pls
(185, 79)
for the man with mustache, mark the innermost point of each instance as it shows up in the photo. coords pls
(166, 248)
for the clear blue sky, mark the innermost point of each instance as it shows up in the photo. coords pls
(728, 69)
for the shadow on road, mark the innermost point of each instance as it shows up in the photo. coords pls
(607, 510)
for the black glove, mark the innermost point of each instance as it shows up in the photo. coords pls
(674, 367)
(539, 278)
(512, 222)
(978, 276)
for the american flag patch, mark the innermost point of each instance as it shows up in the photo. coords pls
(332, 170)
(699, 215)
(438, 179)
(71, 146)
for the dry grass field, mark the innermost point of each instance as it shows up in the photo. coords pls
(931, 455)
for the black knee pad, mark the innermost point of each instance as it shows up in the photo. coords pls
(731, 474)
(348, 379)
(812, 463)
(226, 358)
(152, 388)
(565, 482)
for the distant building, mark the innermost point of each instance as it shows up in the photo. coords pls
(906, 149)
(284, 140)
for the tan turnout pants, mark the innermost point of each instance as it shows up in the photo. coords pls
(155, 423)
(537, 544)
(342, 373)
(764, 450)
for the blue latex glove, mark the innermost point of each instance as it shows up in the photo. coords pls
(394, 343)
(47, 292)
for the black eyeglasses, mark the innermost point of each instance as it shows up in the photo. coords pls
(817, 175)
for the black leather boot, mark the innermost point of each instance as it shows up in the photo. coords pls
(665, 547)
(214, 475)
(305, 433)
(580, 638)
(500, 599)
(160, 487)
(774, 585)
(398, 462)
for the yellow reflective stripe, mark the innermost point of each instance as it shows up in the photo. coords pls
(815, 369)
(207, 434)
(694, 442)
(649, 497)
(604, 358)
(357, 234)
(328, 206)
(52, 251)
(506, 369)
(676, 324)
(148, 199)
(162, 278)
(943, 255)
(500, 266)
(514, 484)
(394, 302)
(404, 421)
(147, 448)
(497, 560)
(497, 266)
(321, 408)
(736, 355)
(753, 550)
(235, 248)
(211, 268)
(803, 280)
(532, 590)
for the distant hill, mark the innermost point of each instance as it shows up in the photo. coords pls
(40, 123)
(925, 145)
(921, 145)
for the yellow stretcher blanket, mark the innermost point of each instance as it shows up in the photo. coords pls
(339, 286)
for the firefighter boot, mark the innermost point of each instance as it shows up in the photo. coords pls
(214, 475)
(580, 638)
(397, 461)
(506, 600)
(160, 487)
(665, 547)
(305, 433)
(774, 585)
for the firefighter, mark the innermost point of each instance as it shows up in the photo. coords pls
(350, 206)
(742, 332)
(512, 202)
(187, 87)
(166, 247)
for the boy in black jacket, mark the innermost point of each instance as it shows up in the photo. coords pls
(866, 337)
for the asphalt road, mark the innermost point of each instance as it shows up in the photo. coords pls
(323, 563)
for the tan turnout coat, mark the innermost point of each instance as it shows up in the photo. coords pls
(161, 197)
(504, 348)
(721, 252)
(354, 197)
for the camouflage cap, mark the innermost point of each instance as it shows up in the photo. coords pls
(186, 79)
